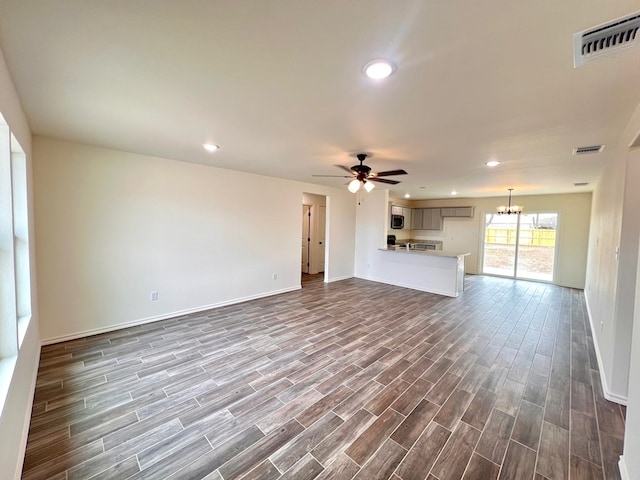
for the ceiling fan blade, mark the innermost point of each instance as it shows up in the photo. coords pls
(382, 180)
(335, 176)
(347, 169)
(388, 173)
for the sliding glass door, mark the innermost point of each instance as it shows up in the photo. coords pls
(520, 246)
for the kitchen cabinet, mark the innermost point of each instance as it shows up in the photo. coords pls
(431, 219)
(416, 218)
(457, 212)
(426, 219)
(396, 210)
(406, 213)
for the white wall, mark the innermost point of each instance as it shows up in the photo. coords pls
(114, 226)
(371, 227)
(14, 420)
(611, 281)
(631, 459)
(465, 234)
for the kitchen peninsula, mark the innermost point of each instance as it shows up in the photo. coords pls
(440, 272)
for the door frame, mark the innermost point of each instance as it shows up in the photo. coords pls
(309, 234)
(315, 201)
(517, 245)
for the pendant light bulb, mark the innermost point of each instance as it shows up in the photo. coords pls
(368, 186)
(354, 185)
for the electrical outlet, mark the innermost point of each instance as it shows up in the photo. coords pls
(274, 276)
(154, 296)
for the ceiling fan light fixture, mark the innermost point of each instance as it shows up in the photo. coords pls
(368, 186)
(354, 185)
(492, 163)
(379, 69)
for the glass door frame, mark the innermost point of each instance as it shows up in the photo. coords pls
(517, 248)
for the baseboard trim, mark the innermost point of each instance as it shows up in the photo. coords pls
(338, 279)
(603, 374)
(164, 316)
(624, 473)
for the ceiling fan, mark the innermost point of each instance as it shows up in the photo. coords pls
(363, 176)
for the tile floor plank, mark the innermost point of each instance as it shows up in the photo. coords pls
(456, 453)
(424, 453)
(413, 425)
(495, 437)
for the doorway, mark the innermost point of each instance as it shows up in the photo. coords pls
(313, 245)
(306, 237)
(520, 246)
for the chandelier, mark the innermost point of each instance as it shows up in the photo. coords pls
(510, 209)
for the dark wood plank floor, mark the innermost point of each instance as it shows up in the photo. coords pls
(349, 380)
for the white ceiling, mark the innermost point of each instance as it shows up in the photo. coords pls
(278, 84)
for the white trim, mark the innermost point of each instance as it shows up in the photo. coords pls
(603, 375)
(337, 279)
(27, 418)
(7, 366)
(624, 474)
(142, 321)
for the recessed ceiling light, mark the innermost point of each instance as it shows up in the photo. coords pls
(406, 195)
(210, 147)
(453, 192)
(378, 69)
(492, 163)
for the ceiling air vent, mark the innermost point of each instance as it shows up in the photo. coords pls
(588, 150)
(608, 39)
(580, 184)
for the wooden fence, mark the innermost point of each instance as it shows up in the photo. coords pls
(507, 236)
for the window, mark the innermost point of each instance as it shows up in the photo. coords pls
(15, 280)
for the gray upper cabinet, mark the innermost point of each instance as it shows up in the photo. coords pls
(407, 213)
(457, 212)
(464, 211)
(426, 219)
(416, 218)
(448, 212)
(431, 219)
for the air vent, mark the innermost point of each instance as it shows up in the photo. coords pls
(609, 39)
(580, 184)
(588, 150)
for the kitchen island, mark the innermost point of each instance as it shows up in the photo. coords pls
(434, 271)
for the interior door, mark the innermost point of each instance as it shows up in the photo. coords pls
(322, 222)
(306, 237)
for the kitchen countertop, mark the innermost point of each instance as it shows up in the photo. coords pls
(433, 253)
